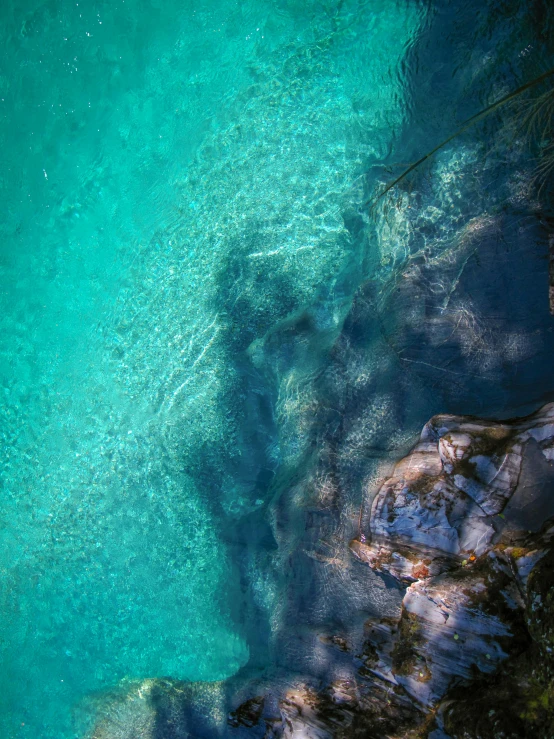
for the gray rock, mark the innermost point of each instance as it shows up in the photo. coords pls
(443, 501)
(456, 625)
(438, 524)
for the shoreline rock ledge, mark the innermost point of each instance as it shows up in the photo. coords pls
(465, 524)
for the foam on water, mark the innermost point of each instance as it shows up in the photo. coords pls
(174, 184)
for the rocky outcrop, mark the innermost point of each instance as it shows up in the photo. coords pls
(445, 502)
(459, 520)
(462, 522)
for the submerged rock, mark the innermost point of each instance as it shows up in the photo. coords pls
(159, 708)
(248, 713)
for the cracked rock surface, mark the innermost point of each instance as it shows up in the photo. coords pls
(445, 500)
(460, 521)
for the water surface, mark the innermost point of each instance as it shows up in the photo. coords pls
(176, 180)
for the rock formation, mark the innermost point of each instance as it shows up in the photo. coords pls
(460, 520)
(463, 521)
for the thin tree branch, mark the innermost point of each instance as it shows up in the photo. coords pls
(470, 122)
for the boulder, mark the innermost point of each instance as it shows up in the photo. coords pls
(444, 501)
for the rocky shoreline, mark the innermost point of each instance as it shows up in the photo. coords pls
(465, 523)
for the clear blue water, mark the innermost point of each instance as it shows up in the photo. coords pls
(173, 184)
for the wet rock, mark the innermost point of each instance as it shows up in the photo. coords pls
(338, 641)
(368, 709)
(403, 562)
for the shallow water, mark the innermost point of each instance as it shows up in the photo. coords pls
(175, 182)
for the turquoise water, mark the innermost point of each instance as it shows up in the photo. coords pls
(174, 183)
